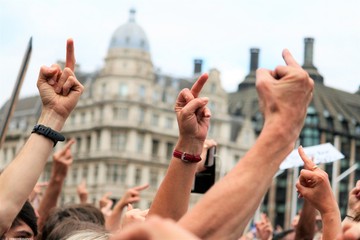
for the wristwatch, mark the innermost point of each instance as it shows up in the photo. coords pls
(48, 133)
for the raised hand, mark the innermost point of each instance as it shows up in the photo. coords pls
(133, 216)
(59, 89)
(314, 186)
(353, 208)
(132, 195)
(264, 229)
(193, 117)
(207, 144)
(62, 160)
(82, 192)
(105, 204)
(282, 94)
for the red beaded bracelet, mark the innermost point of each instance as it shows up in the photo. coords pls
(186, 157)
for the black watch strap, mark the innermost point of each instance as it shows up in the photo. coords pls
(48, 132)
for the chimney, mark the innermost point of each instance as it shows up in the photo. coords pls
(308, 52)
(197, 66)
(254, 59)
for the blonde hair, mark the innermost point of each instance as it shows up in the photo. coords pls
(87, 235)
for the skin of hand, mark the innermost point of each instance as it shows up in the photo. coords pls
(155, 228)
(59, 90)
(350, 231)
(353, 208)
(132, 195)
(133, 216)
(264, 229)
(207, 144)
(193, 118)
(314, 185)
(62, 160)
(37, 191)
(277, 100)
(284, 95)
(106, 204)
(83, 192)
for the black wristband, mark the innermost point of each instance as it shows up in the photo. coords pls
(48, 132)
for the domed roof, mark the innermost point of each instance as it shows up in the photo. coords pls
(130, 35)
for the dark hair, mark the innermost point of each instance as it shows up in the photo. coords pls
(79, 212)
(70, 226)
(28, 216)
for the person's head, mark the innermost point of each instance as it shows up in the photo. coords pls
(70, 226)
(79, 212)
(24, 225)
(87, 235)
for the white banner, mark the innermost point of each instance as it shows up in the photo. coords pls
(323, 153)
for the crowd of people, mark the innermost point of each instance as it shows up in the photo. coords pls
(224, 211)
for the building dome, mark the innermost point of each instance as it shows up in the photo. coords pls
(130, 35)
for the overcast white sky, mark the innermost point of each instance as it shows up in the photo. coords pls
(221, 32)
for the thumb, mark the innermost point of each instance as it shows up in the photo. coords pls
(129, 207)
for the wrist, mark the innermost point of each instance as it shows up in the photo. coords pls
(190, 146)
(282, 129)
(51, 119)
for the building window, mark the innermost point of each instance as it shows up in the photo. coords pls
(155, 120)
(123, 90)
(153, 178)
(103, 89)
(155, 147)
(22, 124)
(96, 173)
(156, 96)
(137, 176)
(74, 175)
(140, 142)
(85, 173)
(310, 137)
(78, 144)
(357, 129)
(169, 123)
(169, 150)
(142, 91)
(83, 116)
(118, 140)
(88, 143)
(213, 88)
(98, 140)
(115, 175)
(120, 113)
(123, 171)
(141, 115)
(212, 106)
(72, 119)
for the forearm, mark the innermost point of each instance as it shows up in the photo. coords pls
(331, 224)
(19, 178)
(305, 228)
(172, 198)
(113, 221)
(49, 201)
(239, 193)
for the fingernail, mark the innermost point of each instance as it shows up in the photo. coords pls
(51, 81)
